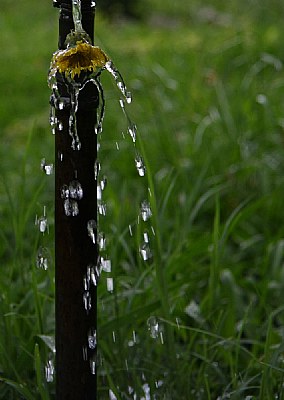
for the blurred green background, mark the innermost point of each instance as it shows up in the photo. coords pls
(207, 82)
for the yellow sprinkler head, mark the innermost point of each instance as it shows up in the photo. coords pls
(79, 56)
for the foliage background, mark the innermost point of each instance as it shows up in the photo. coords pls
(207, 81)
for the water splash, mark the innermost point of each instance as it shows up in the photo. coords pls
(49, 371)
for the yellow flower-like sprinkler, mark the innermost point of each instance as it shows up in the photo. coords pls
(79, 56)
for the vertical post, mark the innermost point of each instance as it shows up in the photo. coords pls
(75, 247)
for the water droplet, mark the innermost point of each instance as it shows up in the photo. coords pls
(97, 168)
(122, 104)
(42, 224)
(99, 128)
(133, 341)
(128, 97)
(93, 4)
(49, 371)
(93, 364)
(130, 230)
(261, 99)
(102, 208)
(110, 284)
(42, 258)
(92, 228)
(147, 393)
(193, 311)
(94, 274)
(103, 183)
(87, 301)
(47, 168)
(106, 265)
(153, 327)
(132, 130)
(85, 353)
(112, 396)
(145, 251)
(92, 339)
(159, 383)
(65, 192)
(60, 126)
(117, 145)
(146, 237)
(61, 105)
(146, 212)
(53, 119)
(101, 241)
(71, 208)
(75, 190)
(113, 336)
(99, 192)
(140, 165)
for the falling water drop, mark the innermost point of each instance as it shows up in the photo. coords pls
(103, 183)
(87, 300)
(102, 208)
(71, 208)
(85, 353)
(145, 209)
(52, 120)
(93, 364)
(154, 327)
(106, 265)
(47, 168)
(42, 258)
(97, 168)
(75, 190)
(60, 126)
(112, 396)
(92, 228)
(99, 192)
(101, 241)
(92, 339)
(140, 165)
(110, 284)
(65, 192)
(145, 251)
(42, 224)
(49, 371)
(132, 130)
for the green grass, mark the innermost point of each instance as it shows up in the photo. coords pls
(208, 101)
